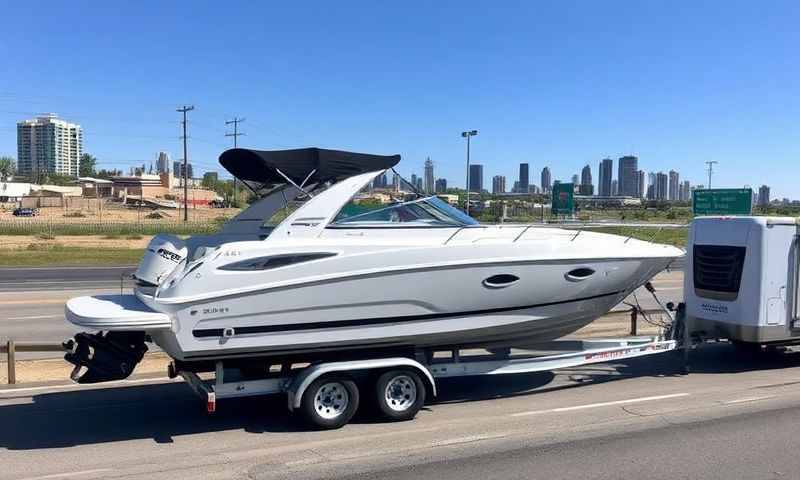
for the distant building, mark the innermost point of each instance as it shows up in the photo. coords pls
(575, 179)
(628, 176)
(395, 182)
(763, 196)
(586, 177)
(614, 188)
(651, 186)
(162, 164)
(586, 189)
(547, 180)
(642, 188)
(661, 190)
(674, 181)
(524, 178)
(687, 191)
(414, 181)
(208, 177)
(476, 177)
(418, 184)
(605, 176)
(48, 145)
(429, 180)
(177, 170)
(441, 185)
(498, 184)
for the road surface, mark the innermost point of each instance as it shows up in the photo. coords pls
(733, 417)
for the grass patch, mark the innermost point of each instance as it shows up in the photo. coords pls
(670, 236)
(37, 255)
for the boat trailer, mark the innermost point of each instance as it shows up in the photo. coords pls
(327, 394)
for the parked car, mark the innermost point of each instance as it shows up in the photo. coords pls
(26, 212)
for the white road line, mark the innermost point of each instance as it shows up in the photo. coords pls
(601, 404)
(70, 474)
(33, 317)
(748, 399)
(467, 439)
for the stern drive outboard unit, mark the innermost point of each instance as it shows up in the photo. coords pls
(105, 356)
(742, 279)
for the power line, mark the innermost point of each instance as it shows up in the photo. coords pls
(184, 110)
(236, 134)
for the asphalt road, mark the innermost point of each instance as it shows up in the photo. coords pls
(733, 417)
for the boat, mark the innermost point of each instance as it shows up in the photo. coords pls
(313, 268)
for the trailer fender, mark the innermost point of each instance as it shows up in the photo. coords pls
(301, 382)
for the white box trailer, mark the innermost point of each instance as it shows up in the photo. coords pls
(741, 280)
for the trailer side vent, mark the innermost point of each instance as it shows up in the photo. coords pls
(718, 271)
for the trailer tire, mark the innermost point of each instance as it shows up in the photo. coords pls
(330, 402)
(399, 394)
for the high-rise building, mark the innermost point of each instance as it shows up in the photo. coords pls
(605, 175)
(547, 180)
(586, 175)
(177, 169)
(627, 176)
(476, 178)
(642, 188)
(524, 178)
(162, 164)
(429, 180)
(414, 181)
(687, 191)
(614, 187)
(209, 178)
(651, 186)
(441, 185)
(418, 185)
(395, 181)
(763, 196)
(661, 190)
(674, 181)
(48, 144)
(498, 184)
(575, 180)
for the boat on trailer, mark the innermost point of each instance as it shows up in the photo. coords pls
(341, 275)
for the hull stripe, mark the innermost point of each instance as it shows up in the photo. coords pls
(217, 332)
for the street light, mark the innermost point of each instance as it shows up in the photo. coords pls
(467, 135)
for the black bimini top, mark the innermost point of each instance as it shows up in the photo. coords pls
(259, 168)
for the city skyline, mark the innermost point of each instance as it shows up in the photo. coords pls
(717, 89)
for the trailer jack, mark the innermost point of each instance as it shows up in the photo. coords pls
(105, 356)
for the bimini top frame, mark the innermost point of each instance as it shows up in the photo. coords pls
(262, 169)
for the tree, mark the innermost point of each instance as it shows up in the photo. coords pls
(87, 165)
(7, 167)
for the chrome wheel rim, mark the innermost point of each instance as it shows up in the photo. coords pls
(331, 400)
(400, 393)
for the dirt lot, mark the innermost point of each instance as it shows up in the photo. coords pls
(15, 242)
(115, 212)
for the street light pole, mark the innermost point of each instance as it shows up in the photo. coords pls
(710, 170)
(467, 135)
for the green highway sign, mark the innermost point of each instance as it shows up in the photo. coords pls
(723, 201)
(563, 202)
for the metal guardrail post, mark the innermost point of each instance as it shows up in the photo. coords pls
(10, 352)
(634, 318)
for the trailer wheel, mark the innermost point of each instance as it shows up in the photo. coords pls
(330, 402)
(399, 394)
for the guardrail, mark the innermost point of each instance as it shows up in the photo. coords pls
(10, 348)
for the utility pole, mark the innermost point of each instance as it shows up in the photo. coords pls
(236, 121)
(184, 110)
(710, 170)
(468, 135)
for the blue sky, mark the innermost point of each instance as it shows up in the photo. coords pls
(557, 83)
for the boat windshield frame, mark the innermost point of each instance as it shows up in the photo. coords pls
(448, 217)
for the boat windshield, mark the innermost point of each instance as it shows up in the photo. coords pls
(429, 211)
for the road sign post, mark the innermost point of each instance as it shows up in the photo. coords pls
(722, 201)
(563, 200)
